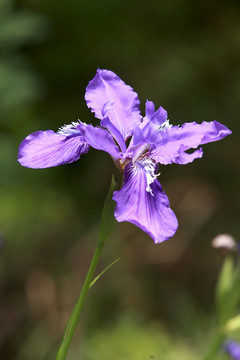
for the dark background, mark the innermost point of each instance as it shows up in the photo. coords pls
(183, 55)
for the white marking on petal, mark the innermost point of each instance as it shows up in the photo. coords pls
(150, 171)
(164, 126)
(69, 129)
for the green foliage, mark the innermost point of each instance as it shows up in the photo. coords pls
(185, 57)
(227, 290)
(224, 288)
(129, 339)
(19, 86)
(227, 297)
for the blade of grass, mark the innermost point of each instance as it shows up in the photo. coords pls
(107, 268)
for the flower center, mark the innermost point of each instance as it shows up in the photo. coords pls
(148, 166)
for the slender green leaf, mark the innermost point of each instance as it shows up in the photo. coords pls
(108, 267)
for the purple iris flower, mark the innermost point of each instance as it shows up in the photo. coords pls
(136, 144)
(232, 348)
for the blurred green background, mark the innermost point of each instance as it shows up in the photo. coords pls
(157, 302)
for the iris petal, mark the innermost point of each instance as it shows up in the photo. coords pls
(149, 109)
(99, 139)
(106, 123)
(233, 349)
(44, 149)
(150, 211)
(172, 142)
(157, 117)
(107, 88)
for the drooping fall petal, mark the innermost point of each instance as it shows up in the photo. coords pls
(44, 149)
(148, 208)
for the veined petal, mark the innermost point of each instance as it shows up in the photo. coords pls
(159, 116)
(99, 139)
(172, 142)
(106, 123)
(185, 158)
(107, 88)
(151, 125)
(44, 149)
(149, 210)
(149, 109)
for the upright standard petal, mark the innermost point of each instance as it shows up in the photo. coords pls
(148, 208)
(172, 142)
(151, 125)
(122, 102)
(44, 149)
(158, 117)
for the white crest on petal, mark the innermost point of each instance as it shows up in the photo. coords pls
(164, 126)
(150, 171)
(69, 129)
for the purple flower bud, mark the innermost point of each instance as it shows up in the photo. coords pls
(232, 348)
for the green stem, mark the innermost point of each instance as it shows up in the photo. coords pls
(215, 346)
(106, 226)
(63, 350)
